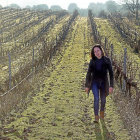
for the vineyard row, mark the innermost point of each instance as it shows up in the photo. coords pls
(126, 70)
(16, 84)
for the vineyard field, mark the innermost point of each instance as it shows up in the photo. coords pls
(43, 65)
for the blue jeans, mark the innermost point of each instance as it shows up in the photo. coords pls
(96, 87)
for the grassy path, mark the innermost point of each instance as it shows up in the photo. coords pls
(61, 109)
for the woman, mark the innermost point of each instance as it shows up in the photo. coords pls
(97, 80)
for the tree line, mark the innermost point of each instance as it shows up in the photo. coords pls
(110, 6)
(131, 7)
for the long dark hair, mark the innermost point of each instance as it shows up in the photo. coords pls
(92, 55)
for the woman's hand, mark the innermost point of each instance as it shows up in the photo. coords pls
(86, 89)
(110, 89)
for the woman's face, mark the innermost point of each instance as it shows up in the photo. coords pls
(97, 52)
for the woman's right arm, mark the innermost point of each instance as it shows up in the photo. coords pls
(88, 76)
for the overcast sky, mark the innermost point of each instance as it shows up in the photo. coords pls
(62, 3)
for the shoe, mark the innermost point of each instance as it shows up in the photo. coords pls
(96, 119)
(102, 115)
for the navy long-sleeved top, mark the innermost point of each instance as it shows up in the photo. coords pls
(99, 74)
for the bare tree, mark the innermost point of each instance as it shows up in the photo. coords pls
(133, 6)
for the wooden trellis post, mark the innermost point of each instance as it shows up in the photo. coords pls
(111, 53)
(9, 55)
(135, 35)
(105, 43)
(44, 52)
(1, 51)
(124, 69)
(33, 61)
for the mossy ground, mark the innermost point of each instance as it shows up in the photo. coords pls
(60, 109)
